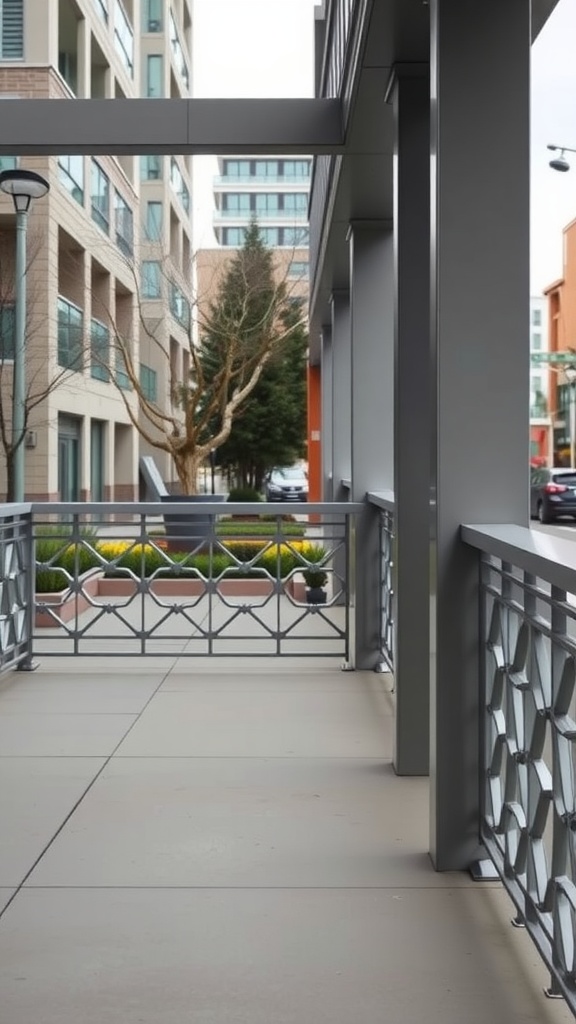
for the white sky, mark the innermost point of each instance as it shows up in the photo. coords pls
(265, 48)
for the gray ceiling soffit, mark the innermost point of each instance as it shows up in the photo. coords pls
(219, 126)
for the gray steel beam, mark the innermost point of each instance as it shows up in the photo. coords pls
(372, 410)
(480, 96)
(341, 395)
(412, 408)
(309, 126)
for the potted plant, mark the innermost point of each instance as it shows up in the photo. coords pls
(315, 576)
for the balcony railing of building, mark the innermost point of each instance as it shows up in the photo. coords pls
(230, 180)
(124, 37)
(102, 9)
(178, 53)
(281, 216)
(123, 579)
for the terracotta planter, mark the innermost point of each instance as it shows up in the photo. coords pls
(110, 587)
(65, 604)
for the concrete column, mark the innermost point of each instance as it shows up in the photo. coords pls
(327, 415)
(341, 414)
(372, 411)
(84, 59)
(410, 93)
(480, 90)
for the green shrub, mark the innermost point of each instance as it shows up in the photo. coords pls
(314, 576)
(244, 494)
(258, 528)
(56, 552)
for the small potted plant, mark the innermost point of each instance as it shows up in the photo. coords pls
(315, 576)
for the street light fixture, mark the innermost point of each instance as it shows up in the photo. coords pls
(560, 163)
(23, 186)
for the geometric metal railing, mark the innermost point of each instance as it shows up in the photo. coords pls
(384, 501)
(528, 755)
(16, 576)
(125, 583)
(387, 587)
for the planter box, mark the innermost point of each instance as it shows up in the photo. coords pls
(110, 587)
(65, 604)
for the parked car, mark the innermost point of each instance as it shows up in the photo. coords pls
(552, 493)
(287, 483)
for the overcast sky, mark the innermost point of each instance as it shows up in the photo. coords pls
(265, 48)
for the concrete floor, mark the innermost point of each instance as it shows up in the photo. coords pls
(225, 842)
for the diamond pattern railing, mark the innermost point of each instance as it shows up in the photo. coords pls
(131, 585)
(529, 756)
(15, 586)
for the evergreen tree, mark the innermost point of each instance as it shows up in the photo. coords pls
(270, 430)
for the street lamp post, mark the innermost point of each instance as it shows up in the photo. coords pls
(23, 186)
(570, 374)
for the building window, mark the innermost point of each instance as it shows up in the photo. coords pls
(71, 175)
(153, 15)
(177, 52)
(124, 37)
(179, 306)
(536, 341)
(70, 336)
(8, 163)
(102, 8)
(237, 168)
(7, 333)
(537, 317)
(148, 383)
(267, 203)
(270, 236)
(151, 279)
(124, 225)
(297, 237)
(233, 236)
(298, 268)
(11, 29)
(122, 379)
(266, 168)
(151, 168)
(100, 198)
(177, 182)
(154, 221)
(295, 202)
(237, 202)
(154, 87)
(99, 351)
(296, 169)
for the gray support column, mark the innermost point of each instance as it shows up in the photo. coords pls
(327, 416)
(341, 408)
(372, 407)
(480, 83)
(412, 408)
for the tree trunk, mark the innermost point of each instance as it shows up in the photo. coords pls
(187, 468)
(9, 455)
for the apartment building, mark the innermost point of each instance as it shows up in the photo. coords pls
(274, 191)
(541, 419)
(560, 318)
(108, 247)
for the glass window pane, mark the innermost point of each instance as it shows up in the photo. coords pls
(71, 175)
(151, 279)
(7, 332)
(151, 168)
(70, 336)
(100, 198)
(154, 86)
(154, 221)
(153, 16)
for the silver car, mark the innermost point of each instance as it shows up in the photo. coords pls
(288, 483)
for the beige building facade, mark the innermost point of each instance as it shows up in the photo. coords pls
(108, 248)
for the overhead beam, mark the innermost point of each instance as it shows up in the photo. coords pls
(292, 126)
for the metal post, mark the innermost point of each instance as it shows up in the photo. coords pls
(212, 461)
(19, 379)
(573, 423)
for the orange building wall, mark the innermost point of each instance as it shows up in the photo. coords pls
(561, 296)
(314, 436)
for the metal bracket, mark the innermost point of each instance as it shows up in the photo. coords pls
(28, 665)
(484, 871)
(347, 666)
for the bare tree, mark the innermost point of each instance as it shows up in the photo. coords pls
(229, 339)
(39, 385)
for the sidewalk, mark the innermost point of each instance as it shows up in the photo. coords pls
(222, 842)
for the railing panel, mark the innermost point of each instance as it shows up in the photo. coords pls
(129, 579)
(384, 500)
(16, 587)
(528, 753)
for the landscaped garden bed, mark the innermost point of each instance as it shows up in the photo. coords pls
(241, 567)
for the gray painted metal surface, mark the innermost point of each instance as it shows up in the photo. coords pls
(528, 700)
(125, 586)
(480, 291)
(171, 126)
(16, 580)
(412, 414)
